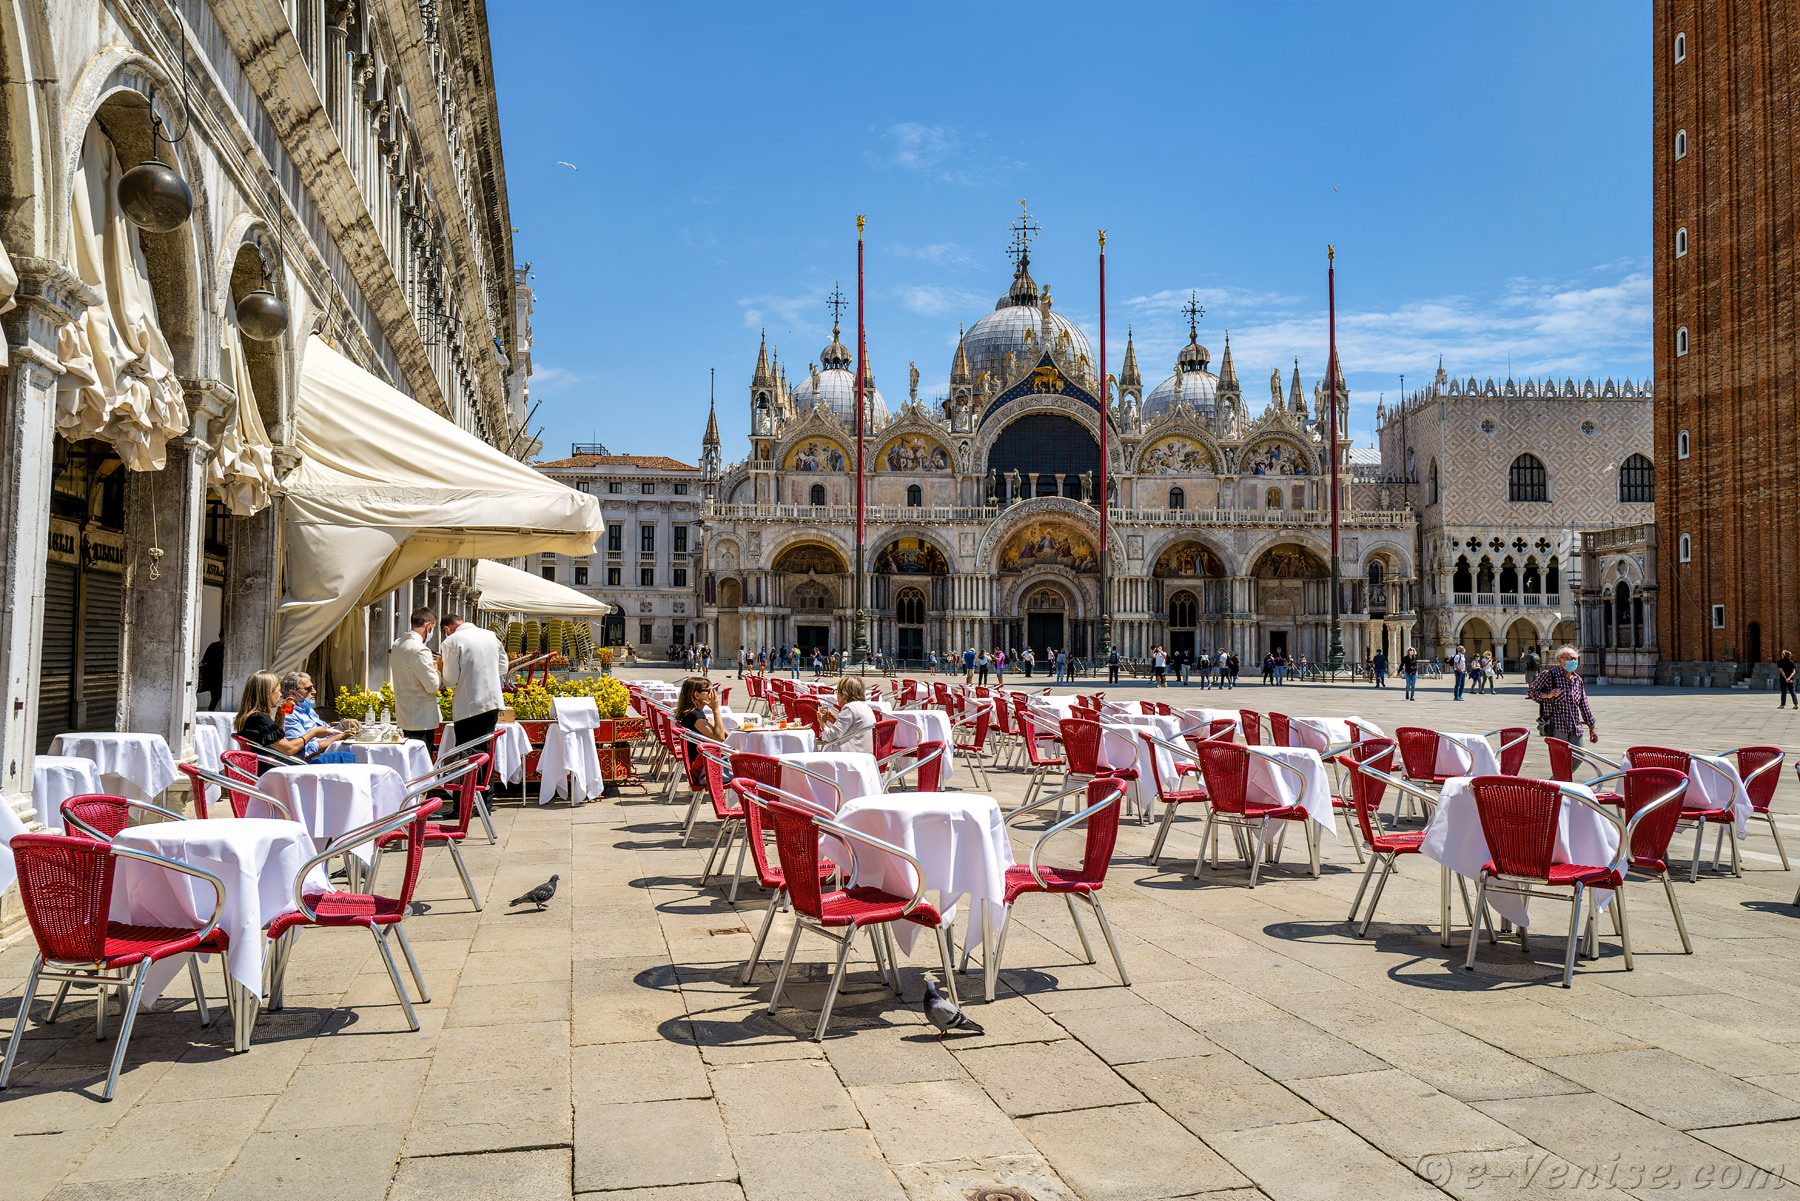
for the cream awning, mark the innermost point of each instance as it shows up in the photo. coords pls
(508, 590)
(386, 487)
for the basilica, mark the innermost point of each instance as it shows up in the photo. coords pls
(982, 525)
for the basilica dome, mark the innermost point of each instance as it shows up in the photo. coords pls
(836, 384)
(1002, 332)
(1192, 382)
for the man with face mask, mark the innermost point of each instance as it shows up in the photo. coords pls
(1564, 698)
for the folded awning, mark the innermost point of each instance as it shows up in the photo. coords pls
(508, 590)
(386, 487)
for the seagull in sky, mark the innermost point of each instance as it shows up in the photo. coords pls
(573, 167)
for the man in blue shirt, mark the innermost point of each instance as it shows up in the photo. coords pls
(302, 722)
(968, 662)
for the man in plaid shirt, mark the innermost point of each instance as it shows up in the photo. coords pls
(1564, 698)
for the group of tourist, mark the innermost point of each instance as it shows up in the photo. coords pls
(1219, 669)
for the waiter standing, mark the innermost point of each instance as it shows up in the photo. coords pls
(472, 658)
(415, 679)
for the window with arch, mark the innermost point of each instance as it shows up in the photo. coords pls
(817, 495)
(1681, 340)
(1526, 481)
(1177, 498)
(1533, 581)
(1637, 480)
(1484, 577)
(915, 496)
(1184, 611)
(1622, 614)
(1273, 499)
(1462, 580)
(812, 597)
(1553, 578)
(1376, 574)
(1681, 143)
(1681, 47)
(1681, 241)
(1509, 576)
(1684, 549)
(1681, 445)
(909, 607)
(1433, 484)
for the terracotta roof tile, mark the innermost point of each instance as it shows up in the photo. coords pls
(642, 462)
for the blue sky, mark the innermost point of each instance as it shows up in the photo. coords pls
(1483, 169)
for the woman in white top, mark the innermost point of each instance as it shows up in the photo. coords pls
(854, 727)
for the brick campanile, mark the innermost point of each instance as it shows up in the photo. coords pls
(1727, 82)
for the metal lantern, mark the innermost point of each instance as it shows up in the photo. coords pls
(261, 315)
(153, 196)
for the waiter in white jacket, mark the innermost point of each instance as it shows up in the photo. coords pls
(472, 659)
(415, 679)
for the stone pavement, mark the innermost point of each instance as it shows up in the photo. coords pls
(603, 1047)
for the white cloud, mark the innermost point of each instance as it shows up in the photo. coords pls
(942, 254)
(544, 378)
(934, 300)
(942, 154)
(784, 312)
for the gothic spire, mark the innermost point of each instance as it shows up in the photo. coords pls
(959, 366)
(1296, 397)
(1128, 372)
(762, 378)
(1228, 381)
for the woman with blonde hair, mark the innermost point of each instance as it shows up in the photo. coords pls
(258, 721)
(854, 727)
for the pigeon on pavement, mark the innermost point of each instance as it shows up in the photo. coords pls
(538, 895)
(944, 1015)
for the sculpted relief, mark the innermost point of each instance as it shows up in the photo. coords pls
(1175, 456)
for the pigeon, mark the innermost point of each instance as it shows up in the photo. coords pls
(539, 895)
(945, 1016)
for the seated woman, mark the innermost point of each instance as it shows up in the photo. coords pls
(697, 710)
(854, 728)
(259, 722)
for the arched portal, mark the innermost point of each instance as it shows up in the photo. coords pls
(1044, 445)
(1521, 636)
(1477, 636)
(1293, 593)
(812, 578)
(1046, 613)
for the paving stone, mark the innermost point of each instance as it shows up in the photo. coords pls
(1529, 1030)
(783, 1097)
(1045, 1077)
(1288, 1048)
(1317, 1161)
(893, 1055)
(1128, 1153)
(1403, 1115)
(174, 1186)
(620, 1073)
(1217, 1092)
(958, 1179)
(503, 1114)
(537, 1175)
(1524, 1174)
(653, 1144)
(510, 1004)
(1463, 1066)
(830, 1165)
(348, 1163)
(1716, 1046)
(198, 1136)
(1134, 1032)
(717, 1191)
(1770, 1146)
(1618, 1146)
(318, 1097)
(928, 1121)
(1673, 1090)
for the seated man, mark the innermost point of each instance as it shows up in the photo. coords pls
(302, 723)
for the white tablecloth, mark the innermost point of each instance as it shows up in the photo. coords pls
(1713, 783)
(959, 838)
(1120, 747)
(570, 763)
(10, 825)
(56, 778)
(854, 772)
(219, 720)
(1270, 783)
(1480, 750)
(411, 758)
(332, 798)
(510, 750)
(1204, 717)
(256, 858)
(1455, 839)
(209, 744)
(924, 725)
(136, 765)
(1315, 732)
(795, 741)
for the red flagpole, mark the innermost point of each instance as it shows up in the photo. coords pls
(1105, 421)
(859, 651)
(1331, 382)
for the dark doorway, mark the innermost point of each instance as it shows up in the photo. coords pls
(1044, 631)
(1753, 635)
(1182, 642)
(1278, 642)
(911, 644)
(811, 638)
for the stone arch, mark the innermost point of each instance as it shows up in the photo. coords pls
(791, 449)
(731, 592)
(795, 556)
(912, 450)
(725, 554)
(880, 544)
(1186, 557)
(1015, 597)
(30, 223)
(1012, 518)
(1024, 406)
(1289, 560)
(1271, 451)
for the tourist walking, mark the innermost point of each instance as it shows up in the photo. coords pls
(999, 667)
(968, 663)
(1112, 668)
(1159, 667)
(981, 667)
(1280, 668)
(1062, 665)
(1459, 663)
(1268, 666)
(1409, 667)
(1380, 665)
(1784, 675)
(1232, 664)
(1562, 697)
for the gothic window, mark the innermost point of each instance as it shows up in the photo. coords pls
(1681, 47)
(1526, 480)
(1434, 483)
(1681, 143)
(1484, 577)
(915, 496)
(1637, 480)
(1534, 582)
(1684, 549)
(1462, 580)
(1553, 578)
(1183, 609)
(1375, 574)
(1509, 576)
(909, 607)
(812, 597)
(1681, 445)
(1622, 613)
(817, 495)
(1177, 498)
(1681, 340)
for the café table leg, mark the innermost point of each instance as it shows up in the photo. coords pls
(1443, 906)
(244, 1019)
(990, 969)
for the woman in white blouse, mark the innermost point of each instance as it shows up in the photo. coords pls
(854, 727)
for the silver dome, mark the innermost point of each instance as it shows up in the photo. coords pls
(1196, 387)
(1002, 331)
(837, 388)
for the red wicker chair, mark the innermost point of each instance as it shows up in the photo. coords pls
(100, 817)
(1419, 756)
(841, 914)
(1369, 764)
(1565, 758)
(1723, 817)
(1251, 723)
(1225, 767)
(976, 728)
(1651, 800)
(1514, 742)
(1104, 795)
(1081, 739)
(376, 913)
(1519, 818)
(1036, 734)
(883, 737)
(65, 885)
(757, 780)
(1759, 767)
(1173, 797)
(465, 774)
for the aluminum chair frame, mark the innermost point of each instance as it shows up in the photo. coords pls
(450, 772)
(220, 780)
(1727, 829)
(130, 976)
(778, 898)
(1524, 738)
(973, 753)
(1169, 807)
(1756, 814)
(1389, 860)
(1243, 822)
(468, 748)
(992, 970)
(1674, 796)
(905, 769)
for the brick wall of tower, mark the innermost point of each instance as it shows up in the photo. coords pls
(1737, 494)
